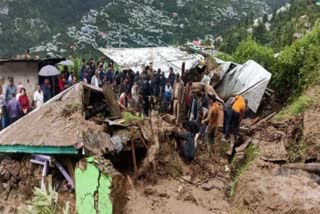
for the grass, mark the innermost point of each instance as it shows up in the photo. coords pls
(129, 117)
(296, 107)
(296, 151)
(249, 156)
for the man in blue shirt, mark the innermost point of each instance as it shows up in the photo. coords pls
(13, 109)
(46, 88)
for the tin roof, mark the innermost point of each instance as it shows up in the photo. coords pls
(249, 80)
(161, 57)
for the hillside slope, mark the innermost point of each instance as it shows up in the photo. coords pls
(69, 26)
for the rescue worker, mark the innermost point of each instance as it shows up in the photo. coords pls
(227, 110)
(178, 95)
(186, 143)
(211, 121)
(238, 110)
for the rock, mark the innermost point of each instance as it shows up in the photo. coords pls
(213, 184)
(180, 189)
(164, 195)
(187, 178)
(227, 169)
(207, 186)
(149, 191)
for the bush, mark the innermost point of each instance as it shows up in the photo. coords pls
(225, 57)
(249, 49)
(298, 64)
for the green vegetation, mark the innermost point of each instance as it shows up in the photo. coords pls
(297, 66)
(129, 117)
(138, 23)
(249, 156)
(249, 49)
(296, 151)
(225, 57)
(45, 202)
(296, 107)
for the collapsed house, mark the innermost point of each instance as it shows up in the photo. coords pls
(82, 121)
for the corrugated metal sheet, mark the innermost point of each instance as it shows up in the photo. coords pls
(161, 57)
(249, 80)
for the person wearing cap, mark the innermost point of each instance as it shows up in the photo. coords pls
(178, 97)
(211, 121)
(238, 110)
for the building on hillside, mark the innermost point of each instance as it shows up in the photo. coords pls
(24, 71)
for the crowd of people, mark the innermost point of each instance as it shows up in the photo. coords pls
(141, 92)
(153, 90)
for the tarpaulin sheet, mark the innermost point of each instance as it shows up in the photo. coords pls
(161, 57)
(249, 80)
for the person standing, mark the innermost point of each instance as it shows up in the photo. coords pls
(38, 97)
(46, 89)
(109, 75)
(82, 69)
(178, 94)
(238, 110)
(10, 89)
(227, 111)
(95, 80)
(123, 100)
(24, 102)
(172, 76)
(19, 87)
(188, 98)
(135, 92)
(146, 94)
(13, 108)
(61, 83)
(167, 97)
(211, 121)
(92, 68)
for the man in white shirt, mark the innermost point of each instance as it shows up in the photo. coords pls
(134, 92)
(95, 79)
(38, 97)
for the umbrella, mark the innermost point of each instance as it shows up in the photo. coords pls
(67, 62)
(49, 70)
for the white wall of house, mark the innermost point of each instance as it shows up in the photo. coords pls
(22, 72)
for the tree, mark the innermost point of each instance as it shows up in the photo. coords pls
(261, 34)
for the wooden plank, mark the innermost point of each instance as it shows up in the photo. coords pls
(134, 158)
(264, 120)
(113, 106)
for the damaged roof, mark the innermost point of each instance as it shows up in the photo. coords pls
(162, 58)
(58, 123)
(249, 80)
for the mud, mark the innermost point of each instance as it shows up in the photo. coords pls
(265, 189)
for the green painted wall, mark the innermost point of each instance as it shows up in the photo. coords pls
(89, 182)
